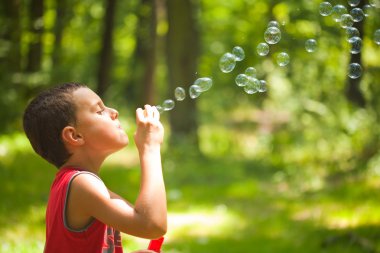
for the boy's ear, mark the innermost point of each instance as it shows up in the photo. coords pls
(71, 136)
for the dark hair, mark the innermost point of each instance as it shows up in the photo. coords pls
(44, 119)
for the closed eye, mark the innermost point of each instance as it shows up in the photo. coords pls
(100, 112)
(100, 108)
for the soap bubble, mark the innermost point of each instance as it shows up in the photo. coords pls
(227, 62)
(251, 72)
(272, 35)
(241, 80)
(356, 45)
(239, 53)
(368, 10)
(375, 3)
(353, 3)
(203, 83)
(325, 8)
(273, 23)
(346, 21)
(357, 14)
(252, 86)
(194, 91)
(168, 105)
(354, 70)
(352, 32)
(262, 49)
(160, 109)
(262, 86)
(283, 59)
(338, 11)
(376, 37)
(311, 45)
(179, 93)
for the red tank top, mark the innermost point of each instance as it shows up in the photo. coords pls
(95, 238)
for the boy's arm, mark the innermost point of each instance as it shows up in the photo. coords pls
(148, 138)
(147, 219)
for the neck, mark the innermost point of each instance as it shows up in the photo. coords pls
(85, 162)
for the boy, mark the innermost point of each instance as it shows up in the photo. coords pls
(71, 128)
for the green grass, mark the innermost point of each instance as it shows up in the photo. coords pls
(219, 204)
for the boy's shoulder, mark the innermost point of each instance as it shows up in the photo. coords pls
(88, 184)
(87, 195)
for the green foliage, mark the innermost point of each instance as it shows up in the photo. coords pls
(245, 205)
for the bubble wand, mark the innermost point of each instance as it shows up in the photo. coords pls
(156, 244)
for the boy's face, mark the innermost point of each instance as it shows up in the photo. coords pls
(98, 125)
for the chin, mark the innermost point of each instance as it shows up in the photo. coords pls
(125, 142)
(120, 146)
(124, 138)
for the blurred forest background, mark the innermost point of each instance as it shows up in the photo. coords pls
(294, 169)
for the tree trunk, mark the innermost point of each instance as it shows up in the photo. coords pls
(36, 13)
(182, 52)
(353, 92)
(142, 84)
(12, 36)
(10, 64)
(59, 26)
(105, 59)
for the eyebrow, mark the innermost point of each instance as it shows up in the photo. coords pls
(98, 103)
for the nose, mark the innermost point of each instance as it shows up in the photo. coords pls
(113, 113)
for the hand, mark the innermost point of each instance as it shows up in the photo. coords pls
(150, 131)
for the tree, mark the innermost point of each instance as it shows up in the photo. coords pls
(182, 52)
(105, 60)
(10, 63)
(12, 35)
(36, 13)
(61, 10)
(144, 61)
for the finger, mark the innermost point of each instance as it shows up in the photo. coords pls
(145, 113)
(149, 111)
(156, 113)
(139, 115)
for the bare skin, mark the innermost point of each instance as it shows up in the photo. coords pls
(98, 134)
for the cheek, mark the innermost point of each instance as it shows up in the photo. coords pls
(98, 133)
(109, 135)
